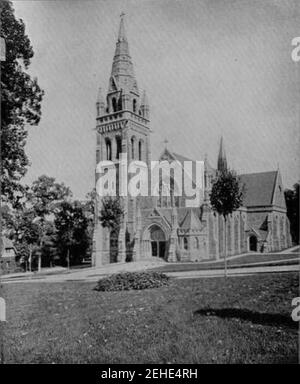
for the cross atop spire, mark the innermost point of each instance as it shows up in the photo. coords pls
(122, 35)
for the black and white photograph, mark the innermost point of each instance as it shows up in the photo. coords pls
(150, 173)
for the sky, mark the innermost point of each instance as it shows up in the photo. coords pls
(210, 68)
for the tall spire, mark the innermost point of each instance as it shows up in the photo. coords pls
(122, 73)
(222, 162)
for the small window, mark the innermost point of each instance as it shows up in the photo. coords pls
(108, 149)
(196, 243)
(132, 147)
(140, 150)
(185, 243)
(119, 146)
(114, 104)
(134, 105)
(97, 156)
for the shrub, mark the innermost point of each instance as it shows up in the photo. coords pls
(132, 280)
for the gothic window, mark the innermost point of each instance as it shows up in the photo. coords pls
(98, 139)
(140, 149)
(196, 243)
(132, 147)
(185, 243)
(120, 104)
(108, 149)
(97, 156)
(119, 146)
(134, 105)
(114, 104)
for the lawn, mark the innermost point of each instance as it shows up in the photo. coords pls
(268, 259)
(241, 320)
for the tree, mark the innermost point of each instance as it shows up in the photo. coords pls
(292, 205)
(21, 99)
(111, 212)
(72, 231)
(45, 196)
(226, 197)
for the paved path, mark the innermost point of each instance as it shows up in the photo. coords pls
(233, 272)
(93, 275)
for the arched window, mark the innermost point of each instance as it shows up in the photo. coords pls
(120, 104)
(134, 105)
(132, 147)
(108, 149)
(185, 243)
(97, 156)
(119, 146)
(98, 139)
(114, 104)
(196, 243)
(140, 149)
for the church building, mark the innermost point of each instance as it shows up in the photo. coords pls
(170, 227)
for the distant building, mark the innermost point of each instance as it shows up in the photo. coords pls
(8, 256)
(167, 226)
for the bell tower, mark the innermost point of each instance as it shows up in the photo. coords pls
(123, 119)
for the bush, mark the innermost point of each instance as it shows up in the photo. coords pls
(132, 280)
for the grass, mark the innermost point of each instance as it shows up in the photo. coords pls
(268, 259)
(240, 320)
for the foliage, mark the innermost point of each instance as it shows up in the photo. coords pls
(72, 231)
(132, 280)
(45, 195)
(111, 212)
(292, 205)
(227, 193)
(21, 99)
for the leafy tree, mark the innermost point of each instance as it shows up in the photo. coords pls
(292, 205)
(21, 99)
(45, 196)
(72, 231)
(226, 197)
(111, 212)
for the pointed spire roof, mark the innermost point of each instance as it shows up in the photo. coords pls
(100, 98)
(122, 72)
(144, 100)
(122, 34)
(222, 162)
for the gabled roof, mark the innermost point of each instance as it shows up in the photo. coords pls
(191, 221)
(259, 188)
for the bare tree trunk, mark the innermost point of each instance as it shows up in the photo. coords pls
(30, 258)
(39, 261)
(68, 258)
(225, 253)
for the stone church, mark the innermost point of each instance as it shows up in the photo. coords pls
(171, 227)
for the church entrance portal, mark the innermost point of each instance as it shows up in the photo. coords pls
(253, 243)
(113, 246)
(158, 242)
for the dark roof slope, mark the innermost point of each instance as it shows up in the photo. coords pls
(259, 188)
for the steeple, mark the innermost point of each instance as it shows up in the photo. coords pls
(122, 73)
(100, 103)
(222, 162)
(145, 106)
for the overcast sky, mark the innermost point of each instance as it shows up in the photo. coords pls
(209, 68)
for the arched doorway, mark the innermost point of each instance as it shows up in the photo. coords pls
(253, 243)
(113, 246)
(158, 241)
